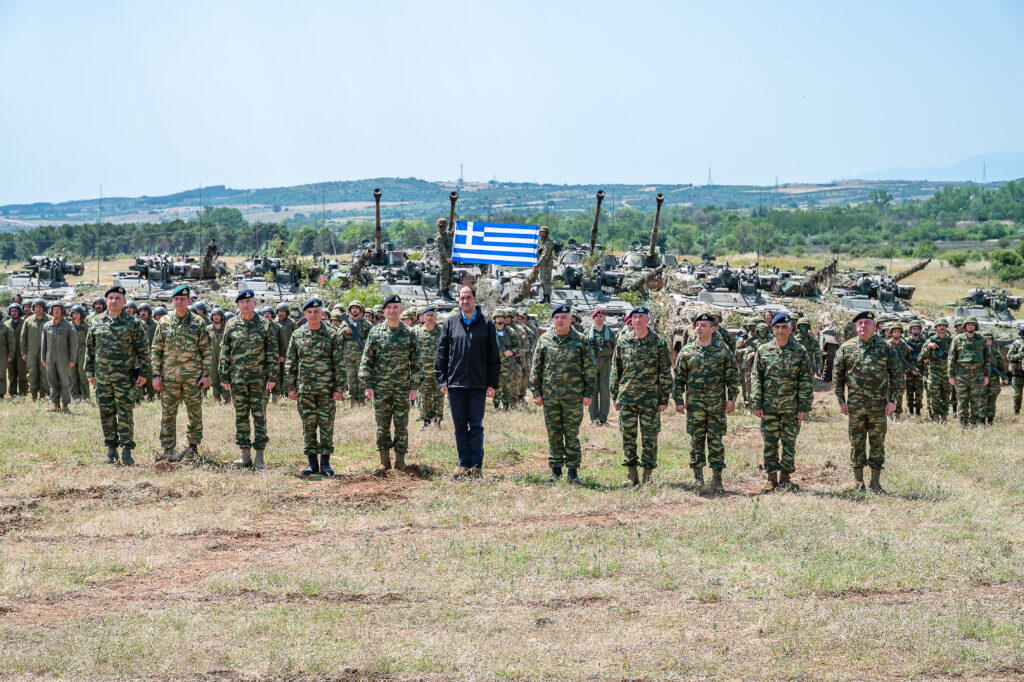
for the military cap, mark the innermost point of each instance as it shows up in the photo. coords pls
(915, 323)
(428, 308)
(781, 318)
(130, 303)
(145, 306)
(201, 305)
(159, 310)
(761, 326)
(377, 310)
(803, 322)
(751, 321)
(182, 290)
(942, 321)
(312, 303)
(442, 222)
(575, 313)
(337, 315)
(39, 301)
(356, 304)
(958, 322)
(640, 310)
(100, 300)
(191, 308)
(284, 306)
(406, 315)
(78, 308)
(217, 310)
(561, 308)
(244, 294)
(702, 317)
(115, 290)
(864, 315)
(970, 320)
(393, 298)
(544, 228)
(15, 305)
(895, 325)
(597, 311)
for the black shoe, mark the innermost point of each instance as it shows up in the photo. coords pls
(126, 456)
(111, 455)
(313, 468)
(325, 465)
(574, 478)
(556, 473)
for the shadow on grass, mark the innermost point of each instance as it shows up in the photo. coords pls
(936, 495)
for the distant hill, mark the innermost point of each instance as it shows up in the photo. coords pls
(997, 167)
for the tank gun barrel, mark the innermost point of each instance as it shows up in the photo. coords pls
(376, 229)
(910, 271)
(597, 219)
(654, 232)
(821, 275)
(453, 196)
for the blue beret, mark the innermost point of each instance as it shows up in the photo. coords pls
(781, 317)
(393, 298)
(312, 303)
(704, 317)
(116, 290)
(244, 294)
(866, 315)
(563, 308)
(182, 290)
(640, 310)
(428, 309)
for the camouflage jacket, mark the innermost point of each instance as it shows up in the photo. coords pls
(32, 335)
(545, 253)
(182, 350)
(968, 357)
(641, 371)
(781, 381)
(313, 363)
(60, 343)
(248, 352)
(934, 361)
(391, 360)
(723, 335)
(995, 362)
(602, 344)
(904, 351)
(916, 346)
(115, 346)
(350, 348)
(443, 242)
(865, 376)
(150, 327)
(280, 348)
(427, 341)
(809, 344)
(706, 376)
(1016, 357)
(562, 367)
(287, 329)
(509, 339)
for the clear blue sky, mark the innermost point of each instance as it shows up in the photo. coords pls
(156, 97)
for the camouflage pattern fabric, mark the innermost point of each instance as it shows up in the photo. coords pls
(443, 242)
(147, 389)
(782, 385)
(8, 348)
(640, 381)
(810, 344)
(904, 351)
(59, 347)
(706, 377)
(353, 353)
(1015, 356)
(545, 263)
(314, 368)
(182, 354)
(316, 410)
(248, 360)
(431, 400)
(17, 370)
(563, 375)
(288, 328)
(114, 348)
(391, 367)
(969, 364)
(511, 368)
(216, 339)
(937, 375)
(915, 384)
(79, 380)
(31, 342)
(995, 383)
(866, 376)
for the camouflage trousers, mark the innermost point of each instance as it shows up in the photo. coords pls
(994, 388)
(115, 398)
(915, 394)
(58, 376)
(1018, 392)
(952, 398)
(249, 400)
(706, 428)
(316, 410)
(648, 419)
(445, 279)
(524, 378)
(779, 429)
(431, 401)
(938, 396)
(544, 275)
(745, 385)
(17, 375)
(601, 403)
(971, 399)
(218, 391)
(174, 394)
(508, 383)
(562, 419)
(392, 408)
(865, 424)
(278, 381)
(79, 381)
(36, 375)
(355, 387)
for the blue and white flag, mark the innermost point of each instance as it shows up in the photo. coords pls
(495, 244)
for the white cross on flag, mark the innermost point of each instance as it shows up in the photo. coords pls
(495, 244)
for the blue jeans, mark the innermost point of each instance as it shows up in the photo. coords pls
(467, 406)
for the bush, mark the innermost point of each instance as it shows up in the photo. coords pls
(1007, 265)
(956, 259)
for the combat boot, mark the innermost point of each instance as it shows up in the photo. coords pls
(111, 454)
(385, 459)
(400, 461)
(647, 475)
(426, 425)
(875, 486)
(858, 478)
(698, 475)
(716, 481)
(351, 403)
(574, 477)
(67, 410)
(787, 484)
(171, 456)
(325, 465)
(258, 460)
(246, 460)
(632, 476)
(54, 408)
(462, 473)
(314, 466)
(35, 395)
(476, 472)
(556, 473)
(126, 457)
(192, 452)
(773, 483)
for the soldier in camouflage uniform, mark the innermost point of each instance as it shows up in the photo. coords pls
(315, 378)
(287, 325)
(390, 370)
(217, 329)
(8, 350)
(782, 389)
(528, 335)
(17, 369)
(757, 333)
(995, 382)
(59, 353)
(867, 379)
(443, 242)
(149, 324)
(352, 349)
(270, 315)
(969, 363)
(707, 382)
(561, 381)
(915, 382)
(511, 360)
(248, 369)
(1015, 357)
(934, 356)
(30, 344)
(182, 356)
(431, 401)
(640, 388)
(545, 263)
(905, 355)
(958, 328)
(116, 361)
(810, 344)
(602, 340)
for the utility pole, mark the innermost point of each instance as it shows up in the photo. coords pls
(99, 227)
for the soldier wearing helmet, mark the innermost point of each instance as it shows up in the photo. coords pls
(287, 325)
(79, 379)
(217, 328)
(58, 351)
(131, 307)
(968, 373)
(31, 344)
(545, 263)
(149, 325)
(17, 369)
(8, 350)
(282, 347)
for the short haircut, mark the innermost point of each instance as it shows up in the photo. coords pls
(471, 289)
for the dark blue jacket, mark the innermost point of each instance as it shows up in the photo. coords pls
(467, 356)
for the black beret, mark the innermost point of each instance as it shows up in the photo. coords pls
(705, 317)
(866, 315)
(640, 310)
(393, 298)
(781, 317)
(312, 303)
(563, 308)
(116, 290)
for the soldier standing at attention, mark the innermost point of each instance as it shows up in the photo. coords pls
(431, 401)
(935, 355)
(99, 306)
(915, 382)
(116, 362)
(809, 344)
(149, 324)
(390, 370)
(17, 369)
(602, 340)
(287, 325)
(509, 347)
(314, 378)
(968, 373)
(1016, 360)
(79, 379)
(353, 339)
(782, 389)
(182, 358)
(529, 335)
(867, 379)
(562, 381)
(248, 369)
(641, 385)
(217, 328)
(545, 262)
(31, 342)
(59, 353)
(271, 317)
(995, 382)
(443, 242)
(905, 354)
(707, 382)
(8, 350)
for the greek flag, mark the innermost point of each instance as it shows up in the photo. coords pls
(495, 244)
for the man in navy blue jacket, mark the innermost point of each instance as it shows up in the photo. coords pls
(467, 369)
